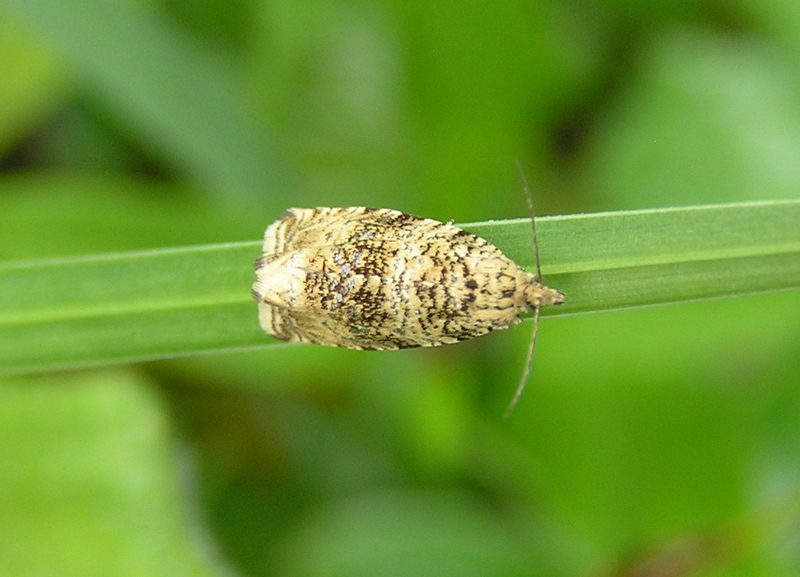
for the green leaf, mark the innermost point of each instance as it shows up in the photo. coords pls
(89, 480)
(77, 312)
(130, 56)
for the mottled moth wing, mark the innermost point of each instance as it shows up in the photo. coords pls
(381, 279)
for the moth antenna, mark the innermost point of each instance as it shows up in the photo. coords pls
(526, 373)
(532, 213)
(532, 347)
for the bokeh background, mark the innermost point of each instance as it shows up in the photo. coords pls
(661, 442)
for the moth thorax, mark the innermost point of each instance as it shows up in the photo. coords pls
(538, 295)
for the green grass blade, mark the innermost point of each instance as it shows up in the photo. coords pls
(133, 306)
(130, 306)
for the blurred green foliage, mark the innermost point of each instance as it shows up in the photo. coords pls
(648, 441)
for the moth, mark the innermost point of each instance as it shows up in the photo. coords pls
(380, 279)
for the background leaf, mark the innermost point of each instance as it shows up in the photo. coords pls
(89, 461)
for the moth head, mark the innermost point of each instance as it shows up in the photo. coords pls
(537, 295)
